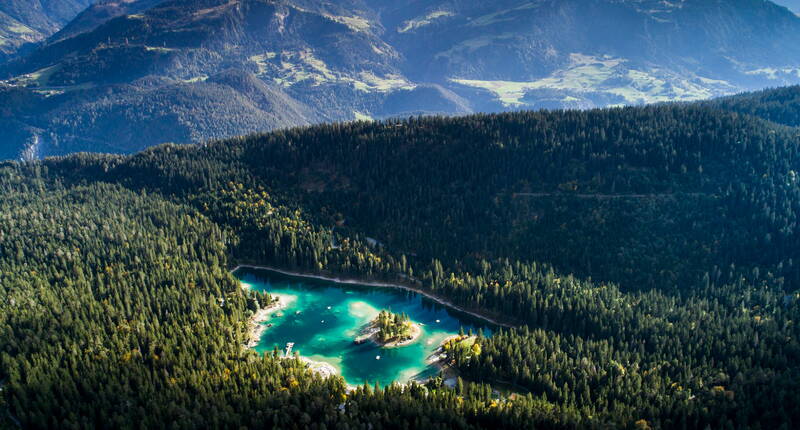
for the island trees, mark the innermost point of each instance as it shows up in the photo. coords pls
(393, 327)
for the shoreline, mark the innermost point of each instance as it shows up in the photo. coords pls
(415, 335)
(346, 281)
(256, 328)
(321, 368)
(436, 358)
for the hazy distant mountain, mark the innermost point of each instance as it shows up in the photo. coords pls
(29, 21)
(188, 70)
(100, 12)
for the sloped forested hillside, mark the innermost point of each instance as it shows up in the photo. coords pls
(779, 105)
(646, 256)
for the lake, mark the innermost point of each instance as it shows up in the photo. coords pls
(323, 318)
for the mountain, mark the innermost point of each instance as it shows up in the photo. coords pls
(24, 22)
(587, 53)
(158, 65)
(645, 259)
(100, 12)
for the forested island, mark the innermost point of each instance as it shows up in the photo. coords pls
(390, 330)
(646, 257)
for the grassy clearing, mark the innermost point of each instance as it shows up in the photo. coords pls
(20, 29)
(589, 74)
(201, 78)
(369, 82)
(355, 23)
(261, 61)
(41, 77)
(291, 68)
(159, 49)
(418, 22)
(362, 116)
(13, 33)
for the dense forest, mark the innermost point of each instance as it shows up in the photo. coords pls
(392, 326)
(647, 258)
(779, 105)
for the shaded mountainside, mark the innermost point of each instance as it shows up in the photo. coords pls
(646, 255)
(25, 22)
(361, 59)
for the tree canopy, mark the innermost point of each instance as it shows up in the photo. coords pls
(645, 256)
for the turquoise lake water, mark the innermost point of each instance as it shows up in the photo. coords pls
(332, 314)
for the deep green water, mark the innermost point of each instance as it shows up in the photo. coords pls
(332, 314)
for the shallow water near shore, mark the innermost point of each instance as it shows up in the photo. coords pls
(324, 317)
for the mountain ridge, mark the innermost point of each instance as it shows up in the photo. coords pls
(363, 59)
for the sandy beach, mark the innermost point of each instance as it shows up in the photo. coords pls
(256, 323)
(416, 332)
(321, 368)
(439, 355)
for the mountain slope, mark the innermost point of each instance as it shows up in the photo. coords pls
(377, 59)
(330, 66)
(28, 21)
(100, 12)
(593, 53)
